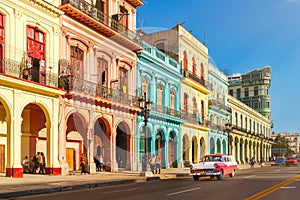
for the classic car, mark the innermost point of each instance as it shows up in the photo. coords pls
(292, 160)
(214, 165)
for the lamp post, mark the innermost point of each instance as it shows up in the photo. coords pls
(228, 127)
(145, 105)
(261, 136)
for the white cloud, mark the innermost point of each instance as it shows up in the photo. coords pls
(294, 1)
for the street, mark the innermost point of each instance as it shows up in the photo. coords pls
(274, 183)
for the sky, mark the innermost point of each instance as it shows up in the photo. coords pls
(242, 36)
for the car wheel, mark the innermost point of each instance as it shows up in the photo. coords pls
(196, 178)
(220, 176)
(232, 174)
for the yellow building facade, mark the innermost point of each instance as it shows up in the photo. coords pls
(193, 56)
(29, 97)
(249, 133)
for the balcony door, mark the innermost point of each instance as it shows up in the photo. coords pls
(2, 34)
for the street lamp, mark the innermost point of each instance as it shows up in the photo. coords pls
(145, 105)
(228, 128)
(261, 136)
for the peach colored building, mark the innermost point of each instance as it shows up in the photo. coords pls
(98, 72)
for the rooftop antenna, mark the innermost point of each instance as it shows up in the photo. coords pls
(142, 21)
(182, 23)
(204, 39)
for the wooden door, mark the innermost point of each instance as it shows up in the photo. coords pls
(2, 158)
(70, 158)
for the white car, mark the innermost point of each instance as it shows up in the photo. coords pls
(214, 165)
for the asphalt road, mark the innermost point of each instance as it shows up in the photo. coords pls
(274, 183)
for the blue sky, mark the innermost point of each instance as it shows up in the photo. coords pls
(241, 36)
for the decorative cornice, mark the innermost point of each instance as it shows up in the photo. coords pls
(44, 7)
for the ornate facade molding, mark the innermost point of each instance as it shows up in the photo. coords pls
(44, 7)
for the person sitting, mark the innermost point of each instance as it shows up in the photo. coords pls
(25, 164)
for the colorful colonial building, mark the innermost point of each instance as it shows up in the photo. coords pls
(159, 78)
(249, 132)
(29, 96)
(98, 72)
(181, 45)
(217, 112)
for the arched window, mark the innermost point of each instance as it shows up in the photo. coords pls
(202, 109)
(145, 87)
(194, 106)
(202, 71)
(102, 71)
(36, 54)
(185, 61)
(160, 94)
(124, 80)
(172, 99)
(194, 66)
(185, 102)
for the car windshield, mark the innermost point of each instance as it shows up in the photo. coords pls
(212, 158)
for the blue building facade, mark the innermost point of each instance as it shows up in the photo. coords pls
(217, 110)
(159, 77)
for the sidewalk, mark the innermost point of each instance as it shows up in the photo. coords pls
(32, 184)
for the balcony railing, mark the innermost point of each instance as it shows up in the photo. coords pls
(101, 17)
(166, 110)
(70, 83)
(216, 126)
(218, 104)
(194, 119)
(20, 70)
(188, 74)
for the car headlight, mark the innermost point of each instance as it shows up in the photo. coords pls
(215, 165)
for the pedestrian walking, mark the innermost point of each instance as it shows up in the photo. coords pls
(83, 164)
(157, 161)
(252, 162)
(152, 163)
(35, 164)
(101, 162)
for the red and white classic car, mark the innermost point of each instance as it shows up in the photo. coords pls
(214, 165)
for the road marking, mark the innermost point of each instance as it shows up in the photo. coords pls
(249, 176)
(183, 191)
(289, 187)
(272, 189)
(125, 190)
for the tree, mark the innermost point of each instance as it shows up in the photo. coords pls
(282, 145)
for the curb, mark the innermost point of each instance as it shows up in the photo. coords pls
(63, 188)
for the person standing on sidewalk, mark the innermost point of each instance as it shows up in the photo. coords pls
(152, 163)
(83, 164)
(25, 163)
(157, 161)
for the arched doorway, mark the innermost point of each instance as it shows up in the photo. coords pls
(194, 150)
(185, 150)
(212, 145)
(219, 146)
(202, 148)
(172, 150)
(224, 147)
(123, 146)
(34, 135)
(76, 141)
(160, 147)
(102, 135)
(4, 128)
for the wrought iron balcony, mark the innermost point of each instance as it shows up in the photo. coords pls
(188, 74)
(94, 18)
(20, 70)
(216, 126)
(166, 110)
(218, 103)
(193, 119)
(71, 83)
